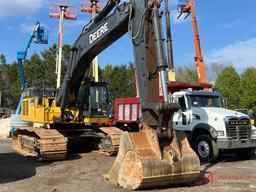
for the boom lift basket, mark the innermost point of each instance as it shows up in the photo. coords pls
(87, 5)
(181, 4)
(42, 36)
(71, 10)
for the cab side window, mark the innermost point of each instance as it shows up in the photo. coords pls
(182, 103)
(40, 101)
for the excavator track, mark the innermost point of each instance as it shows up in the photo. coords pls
(44, 144)
(110, 143)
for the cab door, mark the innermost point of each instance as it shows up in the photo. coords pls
(181, 118)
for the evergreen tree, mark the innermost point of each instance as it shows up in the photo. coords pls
(49, 64)
(228, 83)
(2, 59)
(248, 96)
(34, 70)
(13, 86)
(121, 78)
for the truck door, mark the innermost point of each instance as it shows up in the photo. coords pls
(181, 118)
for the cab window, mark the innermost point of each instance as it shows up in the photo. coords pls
(182, 103)
(40, 101)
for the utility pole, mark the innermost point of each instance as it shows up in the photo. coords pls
(61, 11)
(93, 8)
(95, 64)
(62, 14)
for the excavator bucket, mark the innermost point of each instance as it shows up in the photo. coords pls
(144, 162)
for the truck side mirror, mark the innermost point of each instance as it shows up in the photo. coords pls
(224, 102)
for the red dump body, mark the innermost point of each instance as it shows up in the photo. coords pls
(179, 86)
(127, 110)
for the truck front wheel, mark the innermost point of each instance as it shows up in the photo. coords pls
(206, 148)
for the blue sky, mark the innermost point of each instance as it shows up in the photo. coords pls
(227, 30)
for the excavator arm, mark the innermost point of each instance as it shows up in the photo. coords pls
(157, 155)
(106, 29)
(135, 18)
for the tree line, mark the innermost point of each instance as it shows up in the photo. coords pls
(239, 89)
(40, 71)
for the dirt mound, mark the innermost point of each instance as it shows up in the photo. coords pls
(4, 127)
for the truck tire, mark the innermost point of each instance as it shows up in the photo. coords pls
(245, 154)
(206, 149)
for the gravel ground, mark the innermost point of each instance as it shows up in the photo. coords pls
(83, 172)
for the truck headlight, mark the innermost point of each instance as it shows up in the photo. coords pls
(254, 132)
(220, 133)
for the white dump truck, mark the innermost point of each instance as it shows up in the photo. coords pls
(209, 125)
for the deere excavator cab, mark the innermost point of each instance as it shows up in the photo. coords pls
(93, 100)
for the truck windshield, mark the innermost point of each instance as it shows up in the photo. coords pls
(204, 101)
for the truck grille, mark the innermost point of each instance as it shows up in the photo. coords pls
(238, 128)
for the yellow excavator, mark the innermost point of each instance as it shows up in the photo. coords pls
(157, 155)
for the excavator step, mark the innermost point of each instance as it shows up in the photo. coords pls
(44, 144)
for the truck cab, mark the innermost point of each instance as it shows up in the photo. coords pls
(211, 127)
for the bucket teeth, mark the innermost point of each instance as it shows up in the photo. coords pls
(141, 163)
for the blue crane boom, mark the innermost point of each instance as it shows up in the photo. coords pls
(39, 35)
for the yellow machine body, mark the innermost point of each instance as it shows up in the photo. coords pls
(37, 109)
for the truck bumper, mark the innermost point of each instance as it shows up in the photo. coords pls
(235, 144)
